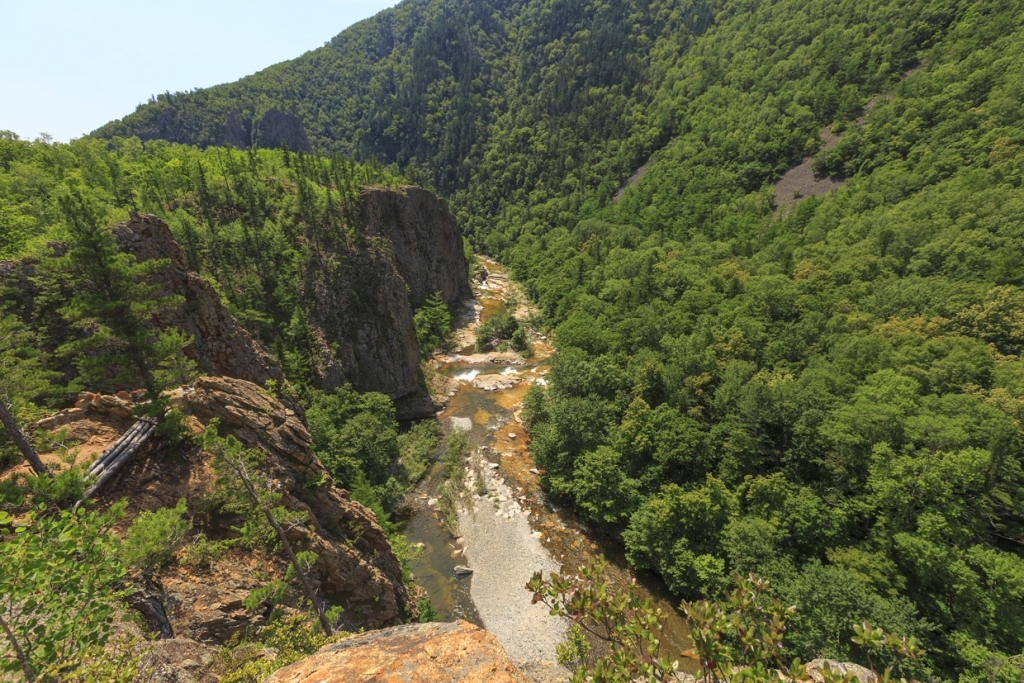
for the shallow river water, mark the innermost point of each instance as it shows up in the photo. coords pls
(565, 542)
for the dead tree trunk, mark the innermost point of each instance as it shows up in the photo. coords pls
(150, 607)
(21, 441)
(114, 462)
(307, 588)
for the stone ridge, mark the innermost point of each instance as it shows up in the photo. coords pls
(221, 345)
(415, 653)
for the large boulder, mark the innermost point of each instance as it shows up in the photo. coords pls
(416, 653)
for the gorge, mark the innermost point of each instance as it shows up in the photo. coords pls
(726, 292)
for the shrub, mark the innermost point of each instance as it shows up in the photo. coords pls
(499, 328)
(154, 537)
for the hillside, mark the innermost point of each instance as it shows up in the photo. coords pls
(825, 389)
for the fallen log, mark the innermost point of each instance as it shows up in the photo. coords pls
(116, 448)
(131, 446)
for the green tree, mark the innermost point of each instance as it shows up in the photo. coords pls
(433, 323)
(112, 303)
(23, 379)
(601, 488)
(59, 581)
(677, 532)
(154, 537)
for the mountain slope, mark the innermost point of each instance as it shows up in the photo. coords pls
(828, 394)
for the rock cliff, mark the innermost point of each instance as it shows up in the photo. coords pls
(356, 567)
(363, 291)
(221, 345)
(426, 239)
(417, 653)
(275, 128)
(360, 316)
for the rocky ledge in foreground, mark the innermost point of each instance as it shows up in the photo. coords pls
(416, 653)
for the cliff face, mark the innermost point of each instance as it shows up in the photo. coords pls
(361, 319)
(221, 346)
(274, 129)
(361, 289)
(425, 237)
(364, 290)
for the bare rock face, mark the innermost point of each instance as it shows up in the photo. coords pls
(361, 318)
(426, 240)
(221, 345)
(364, 291)
(278, 128)
(417, 653)
(178, 660)
(356, 566)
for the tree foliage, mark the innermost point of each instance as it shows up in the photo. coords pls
(59, 590)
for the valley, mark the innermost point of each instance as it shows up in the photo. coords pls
(730, 294)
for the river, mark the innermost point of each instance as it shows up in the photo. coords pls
(510, 528)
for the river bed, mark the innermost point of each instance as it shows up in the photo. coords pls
(509, 528)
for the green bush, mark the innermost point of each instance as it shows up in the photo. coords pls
(499, 328)
(202, 551)
(433, 323)
(153, 537)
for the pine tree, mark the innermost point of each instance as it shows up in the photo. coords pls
(22, 379)
(113, 303)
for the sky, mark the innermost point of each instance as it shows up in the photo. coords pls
(69, 66)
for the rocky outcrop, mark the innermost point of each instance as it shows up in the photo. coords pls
(425, 237)
(281, 129)
(177, 660)
(274, 129)
(221, 346)
(356, 567)
(360, 318)
(363, 292)
(417, 653)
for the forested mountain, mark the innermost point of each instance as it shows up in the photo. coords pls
(829, 394)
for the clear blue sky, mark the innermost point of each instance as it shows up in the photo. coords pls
(69, 66)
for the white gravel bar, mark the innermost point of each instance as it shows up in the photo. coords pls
(504, 554)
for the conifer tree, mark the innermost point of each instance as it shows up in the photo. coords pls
(22, 378)
(113, 303)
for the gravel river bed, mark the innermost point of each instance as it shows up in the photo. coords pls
(508, 528)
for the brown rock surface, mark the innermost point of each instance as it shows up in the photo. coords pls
(221, 346)
(356, 566)
(429, 653)
(177, 660)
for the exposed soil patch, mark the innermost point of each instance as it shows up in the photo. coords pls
(638, 174)
(800, 182)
